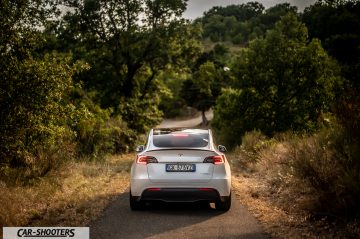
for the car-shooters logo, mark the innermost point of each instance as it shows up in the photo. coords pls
(45, 232)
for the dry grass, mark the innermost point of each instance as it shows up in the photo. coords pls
(283, 203)
(73, 195)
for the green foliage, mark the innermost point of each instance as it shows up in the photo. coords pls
(127, 54)
(44, 120)
(33, 92)
(241, 23)
(251, 151)
(226, 118)
(342, 39)
(283, 83)
(253, 141)
(141, 115)
(97, 132)
(202, 90)
(241, 12)
(129, 45)
(172, 105)
(251, 145)
(34, 107)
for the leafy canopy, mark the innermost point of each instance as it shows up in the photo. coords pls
(128, 45)
(34, 87)
(282, 82)
(201, 91)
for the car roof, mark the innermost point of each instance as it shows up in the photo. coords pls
(164, 131)
(160, 131)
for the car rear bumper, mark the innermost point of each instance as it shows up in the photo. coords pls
(181, 191)
(180, 194)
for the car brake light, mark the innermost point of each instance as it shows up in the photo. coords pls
(144, 159)
(179, 135)
(217, 159)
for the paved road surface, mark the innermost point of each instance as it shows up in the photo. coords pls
(175, 220)
(172, 221)
(170, 123)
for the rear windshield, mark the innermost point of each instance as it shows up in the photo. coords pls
(181, 139)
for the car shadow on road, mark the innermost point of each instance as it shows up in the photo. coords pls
(118, 221)
(182, 208)
(164, 220)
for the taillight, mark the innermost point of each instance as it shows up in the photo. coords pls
(179, 135)
(143, 159)
(217, 159)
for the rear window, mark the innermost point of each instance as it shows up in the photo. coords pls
(181, 140)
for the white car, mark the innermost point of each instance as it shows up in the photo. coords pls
(180, 165)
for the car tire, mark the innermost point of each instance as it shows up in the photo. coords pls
(224, 205)
(134, 204)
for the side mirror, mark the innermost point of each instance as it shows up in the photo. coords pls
(140, 148)
(222, 148)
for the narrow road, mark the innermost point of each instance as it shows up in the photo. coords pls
(170, 123)
(176, 220)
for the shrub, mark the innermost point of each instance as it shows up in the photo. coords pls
(97, 131)
(248, 153)
(232, 118)
(98, 136)
(141, 114)
(322, 170)
(34, 108)
(329, 162)
(252, 143)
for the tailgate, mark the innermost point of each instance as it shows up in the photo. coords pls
(202, 172)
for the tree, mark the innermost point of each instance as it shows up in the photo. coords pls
(226, 23)
(273, 14)
(34, 87)
(202, 90)
(337, 25)
(242, 12)
(242, 23)
(281, 83)
(128, 44)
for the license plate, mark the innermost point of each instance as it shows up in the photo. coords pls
(180, 168)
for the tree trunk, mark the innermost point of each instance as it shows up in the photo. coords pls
(204, 119)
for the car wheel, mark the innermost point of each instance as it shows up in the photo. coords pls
(134, 204)
(224, 205)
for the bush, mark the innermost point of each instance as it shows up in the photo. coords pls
(250, 150)
(100, 135)
(321, 172)
(46, 119)
(141, 114)
(34, 109)
(252, 143)
(329, 162)
(172, 107)
(97, 131)
(348, 112)
(231, 117)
